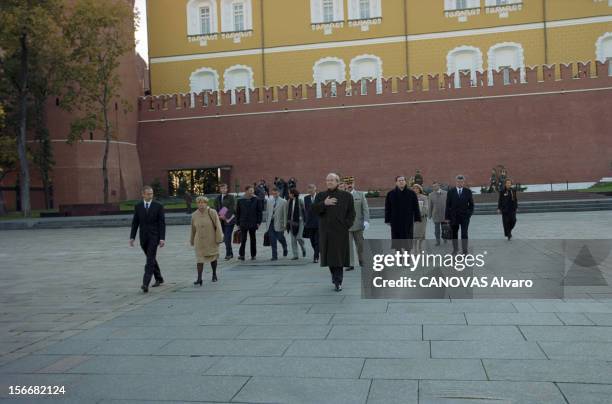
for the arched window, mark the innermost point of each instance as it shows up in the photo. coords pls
(236, 15)
(329, 70)
(239, 77)
(364, 9)
(367, 67)
(201, 17)
(603, 50)
(464, 59)
(322, 11)
(505, 56)
(204, 79)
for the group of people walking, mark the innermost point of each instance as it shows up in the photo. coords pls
(334, 221)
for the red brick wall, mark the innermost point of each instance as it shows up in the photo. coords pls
(553, 131)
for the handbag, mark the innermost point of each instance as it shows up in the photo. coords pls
(266, 241)
(237, 237)
(214, 227)
(447, 232)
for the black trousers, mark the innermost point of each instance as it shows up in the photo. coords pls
(149, 247)
(401, 237)
(509, 220)
(337, 274)
(314, 242)
(464, 224)
(243, 235)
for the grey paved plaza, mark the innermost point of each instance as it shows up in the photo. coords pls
(72, 315)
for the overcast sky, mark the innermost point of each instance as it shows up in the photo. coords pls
(141, 33)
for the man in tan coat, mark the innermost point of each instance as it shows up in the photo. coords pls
(437, 208)
(276, 222)
(361, 223)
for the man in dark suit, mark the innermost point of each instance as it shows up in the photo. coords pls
(228, 220)
(149, 217)
(459, 210)
(249, 215)
(311, 227)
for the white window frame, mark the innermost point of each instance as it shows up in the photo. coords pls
(238, 22)
(452, 5)
(499, 3)
(451, 66)
(229, 86)
(355, 76)
(192, 83)
(194, 22)
(520, 64)
(228, 22)
(316, 11)
(354, 10)
(599, 46)
(328, 10)
(316, 74)
(208, 21)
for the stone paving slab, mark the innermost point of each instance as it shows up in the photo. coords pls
(481, 350)
(574, 371)
(586, 393)
(419, 368)
(359, 349)
(393, 392)
(303, 390)
(567, 333)
(341, 368)
(472, 332)
(489, 392)
(577, 350)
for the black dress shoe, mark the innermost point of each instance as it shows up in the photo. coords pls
(198, 282)
(350, 268)
(274, 259)
(157, 283)
(338, 287)
(294, 258)
(145, 289)
(285, 253)
(214, 278)
(241, 258)
(253, 258)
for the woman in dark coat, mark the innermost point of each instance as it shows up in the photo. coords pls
(401, 211)
(336, 215)
(507, 206)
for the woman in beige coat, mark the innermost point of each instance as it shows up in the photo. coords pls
(206, 235)
(420, 227)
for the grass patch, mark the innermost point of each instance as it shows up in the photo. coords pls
(600, 187)
(18, 215)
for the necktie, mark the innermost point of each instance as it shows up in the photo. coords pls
(460, 189)
(147, 206)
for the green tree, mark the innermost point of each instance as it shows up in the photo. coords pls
(100, 33)
(31, 40)
(8, 157)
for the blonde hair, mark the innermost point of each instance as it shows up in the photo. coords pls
(201, 198)
(419, 187)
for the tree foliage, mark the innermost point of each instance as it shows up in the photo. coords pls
(96, 55)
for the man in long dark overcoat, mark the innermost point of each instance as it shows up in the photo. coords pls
(401, 211)
(336, 215)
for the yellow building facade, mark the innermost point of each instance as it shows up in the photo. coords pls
(197, 45)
